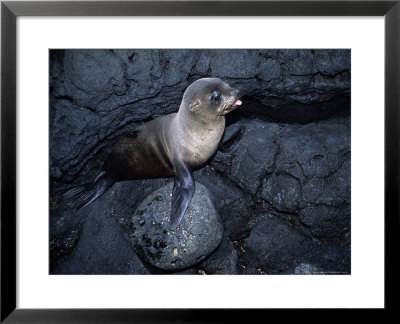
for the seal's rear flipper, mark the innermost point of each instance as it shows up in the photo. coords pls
(83, 195)
(181, 194)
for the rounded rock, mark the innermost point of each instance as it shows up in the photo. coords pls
(198, 235)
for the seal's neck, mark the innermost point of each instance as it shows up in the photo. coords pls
(198, 121)
(198, 137)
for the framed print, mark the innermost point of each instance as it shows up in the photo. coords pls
(210, 146)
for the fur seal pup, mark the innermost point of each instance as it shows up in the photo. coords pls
(173, 145)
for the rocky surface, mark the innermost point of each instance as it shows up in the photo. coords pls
(101, 246)
(280, 181)
(198, 235)
(97, 247)
(295, 209)
(274, 245)
(223, 261)
(96, 95)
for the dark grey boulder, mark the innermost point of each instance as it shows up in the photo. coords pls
(314, 150)
(326, 221)
(235, 207)
(198, 235)
(248, 161)
(331, 256)
(282, 191)
(296, 169)
(99, 246)
(223, 261)
(274, 245)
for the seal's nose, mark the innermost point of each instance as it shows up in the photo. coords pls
(237, 92)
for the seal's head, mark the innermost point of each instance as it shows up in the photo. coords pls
(210, 98)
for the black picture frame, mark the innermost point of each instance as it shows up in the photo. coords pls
(10, 10)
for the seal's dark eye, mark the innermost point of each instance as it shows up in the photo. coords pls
(215, 96)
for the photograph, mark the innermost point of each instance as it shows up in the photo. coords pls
(199, 161)
(242, 153)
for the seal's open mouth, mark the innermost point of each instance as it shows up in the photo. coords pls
(230, 106)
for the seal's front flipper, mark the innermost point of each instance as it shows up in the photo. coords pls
(181, 194)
